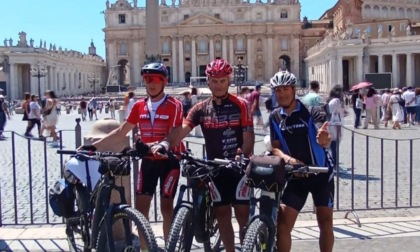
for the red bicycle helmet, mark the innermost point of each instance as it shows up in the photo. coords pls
(218, 68)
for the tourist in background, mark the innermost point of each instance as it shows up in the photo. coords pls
(357, 104)
(130, 103)
(371, 102)
(4, 115)
(336, 116)
(312, 98)
(396, 108)
(26, 109)
(34, 117)
(50, 117)
(410, 105)
(417, 93)
(111, 105)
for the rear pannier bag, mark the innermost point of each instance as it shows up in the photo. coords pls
(61, 198)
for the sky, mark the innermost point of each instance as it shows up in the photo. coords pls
(72, 24)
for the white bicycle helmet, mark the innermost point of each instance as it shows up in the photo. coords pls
(283, 78)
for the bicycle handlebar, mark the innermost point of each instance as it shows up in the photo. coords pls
(97, 154)
(305, 169)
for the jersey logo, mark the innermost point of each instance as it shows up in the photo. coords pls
(222, 121)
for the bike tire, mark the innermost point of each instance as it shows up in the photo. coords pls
(182, 230)
(256, 237)
(139, 222)
(77, 227)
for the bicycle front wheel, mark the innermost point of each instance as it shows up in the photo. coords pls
(132, 225)
(257, 237)
(182, 231)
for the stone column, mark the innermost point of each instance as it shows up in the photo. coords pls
(231, 50)
(181, 59)
(339, 76)
(395, 70)
(359, 68)
(269, 70)
(380, 63)
(174, 69)
(13, 84)
(250, 57)
(333, 71)
(136, 65)
(224, 47)
(193, 57)
(409, 70)
(211, 49)
(152, 27)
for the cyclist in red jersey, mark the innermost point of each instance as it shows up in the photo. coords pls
(227, 127)
(155, 116)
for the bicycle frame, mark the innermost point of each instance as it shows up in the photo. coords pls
(100, 198)
(269, 206)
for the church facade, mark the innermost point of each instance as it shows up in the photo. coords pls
(370, 38)
(263, 37)
(66, 72)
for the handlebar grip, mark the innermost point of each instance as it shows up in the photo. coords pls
(221, 161)
(318, 169)
(67, 152)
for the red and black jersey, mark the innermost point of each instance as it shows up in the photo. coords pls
(168, 115)
(223, 125)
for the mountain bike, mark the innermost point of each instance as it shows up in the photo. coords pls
(195, 218)
(261, 229)
(95, 217)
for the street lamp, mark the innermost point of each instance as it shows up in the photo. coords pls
(39, 73)
(93, 80)
(239, 75)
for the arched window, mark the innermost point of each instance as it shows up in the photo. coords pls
(122, 49)
(401, 13)
(284, 44)
(165, 47)
(240, 44)
(367, 11)
(202, 46)
(283, 14)
(218, 46)
(187, 46)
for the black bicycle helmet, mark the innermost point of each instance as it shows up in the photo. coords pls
(154, 69)
(282, 78)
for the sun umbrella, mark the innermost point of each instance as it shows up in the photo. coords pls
(360, 85)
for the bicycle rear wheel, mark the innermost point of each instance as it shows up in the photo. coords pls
(182, 231)
(130, 238)
(257, 237)
(77, 227)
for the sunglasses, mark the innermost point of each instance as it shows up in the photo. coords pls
(152, 79)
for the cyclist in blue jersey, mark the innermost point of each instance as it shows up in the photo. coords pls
(299, 136)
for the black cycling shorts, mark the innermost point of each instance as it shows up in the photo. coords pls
(152, 170)
(297, 191)
(229, 188)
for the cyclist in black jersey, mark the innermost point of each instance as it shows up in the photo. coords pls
(299, 136)
(228, 130)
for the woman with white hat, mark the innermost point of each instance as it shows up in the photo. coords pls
(395, 107)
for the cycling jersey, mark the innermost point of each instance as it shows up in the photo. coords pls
(297, 133)
(167, 116)
(297, 136)
(223, 125)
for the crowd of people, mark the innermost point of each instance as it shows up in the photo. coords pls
(227, 125)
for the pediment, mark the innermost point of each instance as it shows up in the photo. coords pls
(202, 19)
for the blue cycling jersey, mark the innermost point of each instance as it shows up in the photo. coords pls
(297, 133)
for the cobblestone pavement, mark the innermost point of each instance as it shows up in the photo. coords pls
(389, 182)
